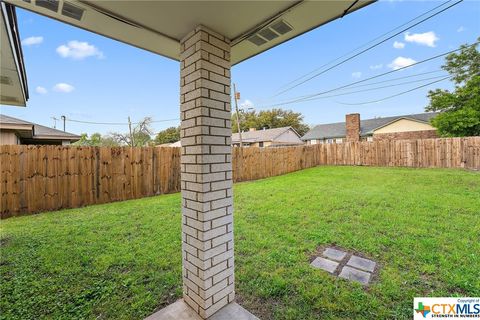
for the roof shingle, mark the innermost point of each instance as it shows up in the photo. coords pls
(39, 130)
(259, 135)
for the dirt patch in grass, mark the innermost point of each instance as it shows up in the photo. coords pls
(5, 241)
(261, 308)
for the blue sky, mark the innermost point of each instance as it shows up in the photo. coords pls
(88, 77)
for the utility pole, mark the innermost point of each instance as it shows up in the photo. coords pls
(64, 119)
(237, 96)
(130, 130)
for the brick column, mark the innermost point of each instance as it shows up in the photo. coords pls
(352, 127)
(206, 164)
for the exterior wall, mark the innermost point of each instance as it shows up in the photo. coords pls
(206, 172)
(333, 140)
(328, 140)
(352, 126)
(425, 134)
(8, 137)
(253, 144)
(257, 144)
(404, 125)
(289, 136)
(42, 142)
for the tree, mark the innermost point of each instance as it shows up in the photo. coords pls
(139, 136)
(275, 118)
(460, 108)
(168, 135)
(96, 140)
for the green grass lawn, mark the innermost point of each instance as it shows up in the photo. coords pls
(123, 260)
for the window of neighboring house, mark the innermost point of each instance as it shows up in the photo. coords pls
(369, 139)
(329, 140)
(338, 140)
(313, 141)
(260, 144)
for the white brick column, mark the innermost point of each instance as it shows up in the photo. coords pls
(207, 211)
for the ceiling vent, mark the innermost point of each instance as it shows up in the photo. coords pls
(257, 40)
(270, 32)
(7, 99)
(48, 4)
(72, 11)
(5, 80)
(281, 27)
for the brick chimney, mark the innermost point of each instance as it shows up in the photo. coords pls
(352, 126)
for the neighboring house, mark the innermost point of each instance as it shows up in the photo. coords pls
(176, 144)
(17, 131)
(171, 144)
(412, 126)
(285, 136)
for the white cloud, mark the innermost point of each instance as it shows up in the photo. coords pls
(356, 74)
(30, 41)
(63, 87)
(401, 62)
(461, 29)
(398, 45)
(376, 66)
(41, 90)
(79, 50)
(427, 38)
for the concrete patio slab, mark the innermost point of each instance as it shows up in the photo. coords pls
(355, 275)
(362, 263)
(324, 264)
(181, 311)
(334, 254)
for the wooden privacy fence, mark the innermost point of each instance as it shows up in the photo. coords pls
(258, 163)
(41, 178)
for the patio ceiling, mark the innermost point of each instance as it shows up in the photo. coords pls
(13, 81)
(158, 26)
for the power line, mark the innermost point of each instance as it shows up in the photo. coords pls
(395, 95)
(371, 89)
(365, 44)
(399, 78)
(299, 99)
(117, 123)
(365, 50)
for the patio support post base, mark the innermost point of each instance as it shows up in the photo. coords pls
(181, 311)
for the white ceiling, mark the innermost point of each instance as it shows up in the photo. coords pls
(158, 26)
(11, 88)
